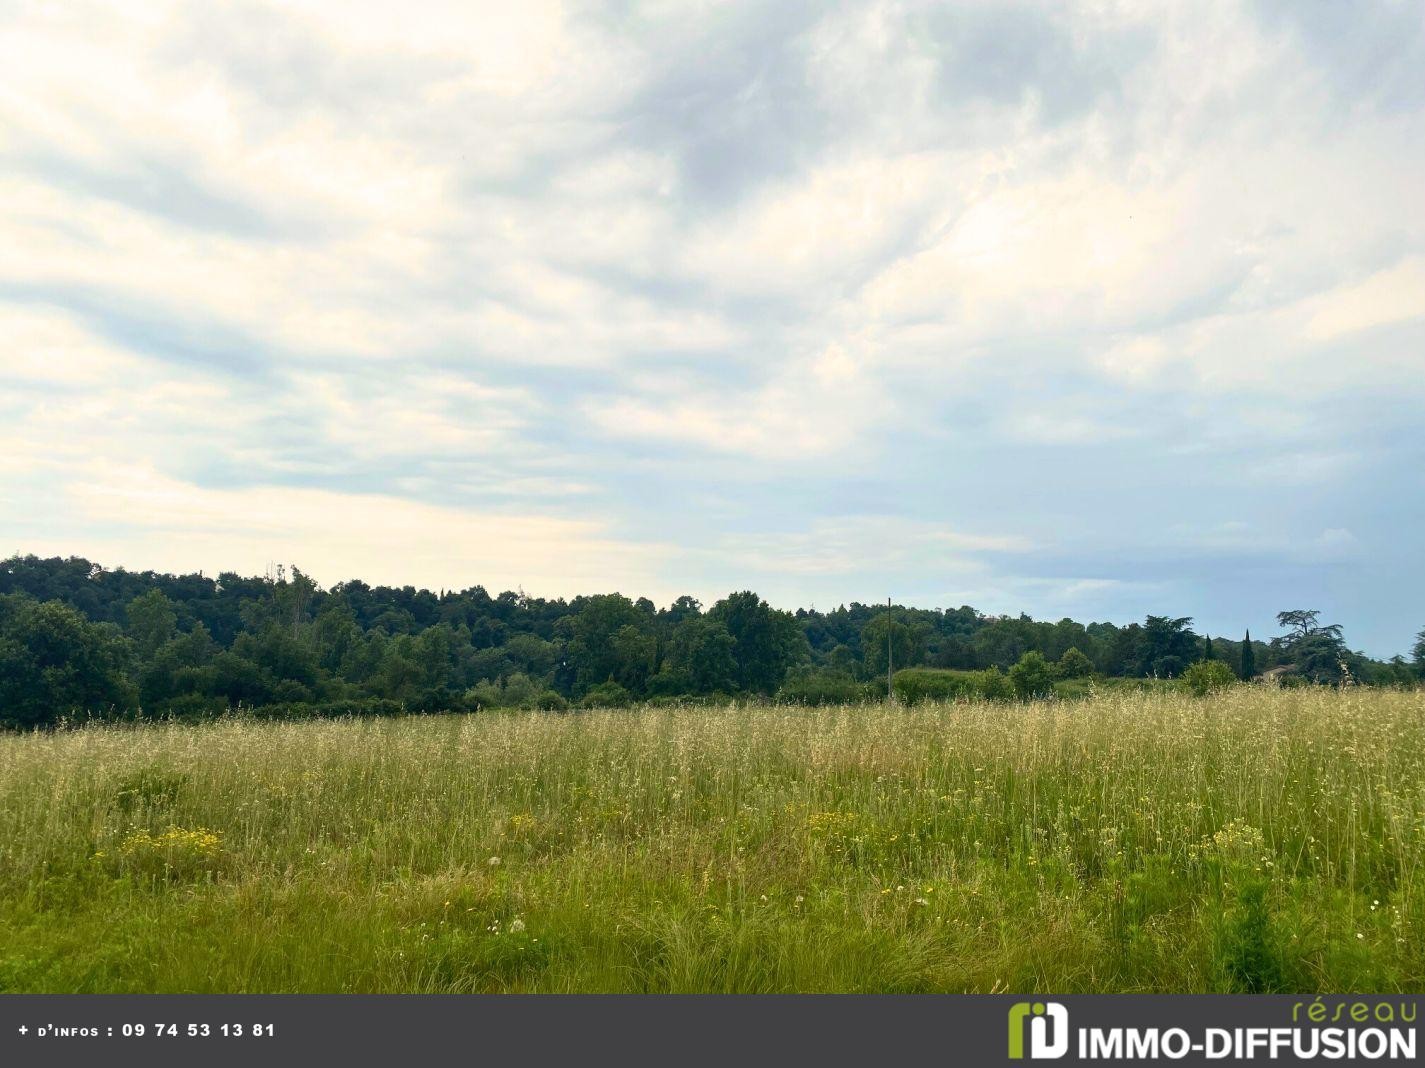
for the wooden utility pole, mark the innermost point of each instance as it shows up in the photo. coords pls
(890, 671)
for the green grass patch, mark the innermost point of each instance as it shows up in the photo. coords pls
(1251, 839)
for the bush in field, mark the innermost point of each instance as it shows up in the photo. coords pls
(517, 691)
(913, 685)
(1032, 677)
(435, 699)
(1074, 665)
(485, 694)
(670, 682)
(520, 690)
(995, 685)
(1207, 676)
(606, 695)
(826, 687)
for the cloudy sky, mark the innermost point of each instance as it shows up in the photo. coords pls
(1091, 309)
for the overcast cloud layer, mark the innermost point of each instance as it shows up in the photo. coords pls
(1087, 309)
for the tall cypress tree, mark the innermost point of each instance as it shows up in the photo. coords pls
(1249, 658)
(1207, 652)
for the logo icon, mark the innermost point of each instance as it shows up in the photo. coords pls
(1045, 1041)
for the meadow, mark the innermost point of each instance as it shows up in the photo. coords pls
(1255, 839)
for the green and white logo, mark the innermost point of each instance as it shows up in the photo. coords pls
(1048, 1030)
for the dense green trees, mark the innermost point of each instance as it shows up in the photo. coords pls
(885, 636)
(702, 658)
(606, 641)
(75, 638)
(55, 663)
(766, 642)
(1166, 646)
(1316, 651)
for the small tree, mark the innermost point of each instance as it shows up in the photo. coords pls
(1249, 658)
(1207, 651)
(1032, 677)
(994, 686)
(1208, 676)
(1419, 652)
(1074, 664)
(551, 701)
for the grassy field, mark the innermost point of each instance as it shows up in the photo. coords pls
(1257, 840)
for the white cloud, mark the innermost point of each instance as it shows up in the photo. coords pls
(812, 235)
(145, 519)
(1336, 543)
(490, 253)
(46, 349)
(1391, 296)
(433, 415)
(1058, 428)
(874, 544)
(805, 409)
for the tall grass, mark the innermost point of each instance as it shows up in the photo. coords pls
(1254, 840)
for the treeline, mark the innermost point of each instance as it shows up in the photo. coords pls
(77, 640)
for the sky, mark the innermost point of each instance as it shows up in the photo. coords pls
(1090, 309)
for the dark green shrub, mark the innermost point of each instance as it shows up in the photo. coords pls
(1253, 958)
(606, 695)
(290, 691)
(913, 685)
(551, 701)
(825, 687)
(670, 682)
(994, 685)
(1208, 676)
(437, 699)
(1032, 677)
(1074, 665)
